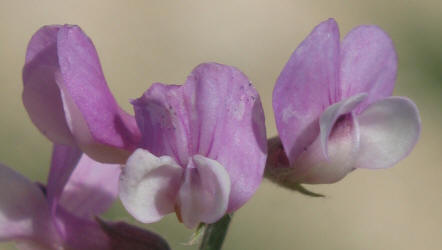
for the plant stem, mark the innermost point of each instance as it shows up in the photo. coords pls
(215, 233)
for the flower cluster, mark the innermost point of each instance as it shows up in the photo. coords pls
(198, 149)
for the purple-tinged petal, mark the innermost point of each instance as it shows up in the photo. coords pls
(204, 194)
(93, 115)
(67, 97)
(64, 159)
(91, 188)
(331, 114)
(41, 96)
(162, 117)
(389, 129)
(306, 87)
(218, 114)
(227, 125)
(149, 185)
(24, 212)
(81, 234)
(368, 64)
(126, 236)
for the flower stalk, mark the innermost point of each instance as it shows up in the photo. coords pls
(215, 233)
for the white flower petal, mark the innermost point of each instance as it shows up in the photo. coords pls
(389, 129)
(314, 167)
(204, 195)
(149, 185)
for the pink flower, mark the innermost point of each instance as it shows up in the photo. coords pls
(203, 144)
(61, 216)
(204, 148)
(334, 110)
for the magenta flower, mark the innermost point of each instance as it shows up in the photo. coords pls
(204, 148)
(204, 143)
(61, 216)
(67, 98)
(334, 110)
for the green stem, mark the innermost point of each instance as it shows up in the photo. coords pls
(215, 233)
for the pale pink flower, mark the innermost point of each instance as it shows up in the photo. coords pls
(334, 111)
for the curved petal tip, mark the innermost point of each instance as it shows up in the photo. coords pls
(67, 97)
(390, 129)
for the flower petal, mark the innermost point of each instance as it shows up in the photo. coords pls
(227, 125)
(79, 233)
(389, 129)
(305, 87)
(149, 185)
(217, 113)
(204, 194)
(368, 64)
(67, 97)
(162, 117)
(331, 115)
(91, 189)
(41, 96)
(313, 167)
(24, 213)
(91, 108)
(126, 236)
(64, 160)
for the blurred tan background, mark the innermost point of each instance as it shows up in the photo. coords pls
(140, 42)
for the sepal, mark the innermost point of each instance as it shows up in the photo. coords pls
(126, 236)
